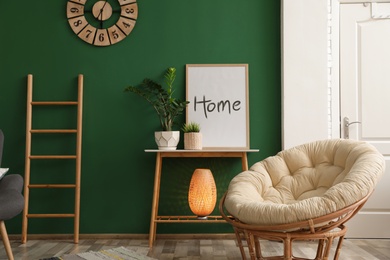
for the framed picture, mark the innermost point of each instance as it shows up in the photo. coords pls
(218, 95)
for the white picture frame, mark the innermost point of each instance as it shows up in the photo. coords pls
(218, 96)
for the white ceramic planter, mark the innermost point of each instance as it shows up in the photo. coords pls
(167, 140)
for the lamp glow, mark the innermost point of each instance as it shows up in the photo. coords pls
(202, 194)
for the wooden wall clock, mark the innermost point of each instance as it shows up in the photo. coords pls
(102, 22)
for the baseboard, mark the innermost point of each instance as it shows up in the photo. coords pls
(122, 236)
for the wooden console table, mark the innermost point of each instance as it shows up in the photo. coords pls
(160, 154)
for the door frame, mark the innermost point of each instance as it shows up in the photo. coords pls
(309, 84)
(296, 87)
(310, 69)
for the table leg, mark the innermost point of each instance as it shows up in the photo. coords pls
(156, 195)
(244, 161)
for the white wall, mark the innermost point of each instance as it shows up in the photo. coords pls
(305, 90)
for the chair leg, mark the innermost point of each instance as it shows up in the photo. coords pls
(7, 245)
(320, 249)
(287, 248)
(250, 238)
(259, 255)
(239, 241)
(338, 249)
(329, 243)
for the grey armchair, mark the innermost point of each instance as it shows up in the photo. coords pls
(11, 200)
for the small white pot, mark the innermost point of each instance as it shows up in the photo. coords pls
(193, 141)
(167, 140)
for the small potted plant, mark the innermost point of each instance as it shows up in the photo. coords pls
(192, 136)
(166, 106)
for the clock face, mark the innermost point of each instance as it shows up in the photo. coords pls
(102, 22)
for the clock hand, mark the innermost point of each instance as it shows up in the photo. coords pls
(100, 15)
(101, 11)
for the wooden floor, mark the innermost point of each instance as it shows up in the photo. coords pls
(164, 249)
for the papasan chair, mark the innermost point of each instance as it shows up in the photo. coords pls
(304, 193)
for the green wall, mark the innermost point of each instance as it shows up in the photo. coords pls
(117, 175)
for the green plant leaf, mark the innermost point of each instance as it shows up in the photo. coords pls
(162, 100)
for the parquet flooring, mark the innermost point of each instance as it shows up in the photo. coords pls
(170, 249)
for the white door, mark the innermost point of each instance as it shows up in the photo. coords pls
(365, 99)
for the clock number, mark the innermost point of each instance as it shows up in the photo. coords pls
(101, 37)
(77, 23)
(74, 10)
(130, 11)
(115, 34)
(126, 25)
(88, 33)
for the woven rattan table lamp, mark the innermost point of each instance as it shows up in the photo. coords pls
(202, 194)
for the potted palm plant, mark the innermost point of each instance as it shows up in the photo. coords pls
(166, 106)
(192, 136)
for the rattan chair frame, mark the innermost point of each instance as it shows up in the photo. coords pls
(323, 229)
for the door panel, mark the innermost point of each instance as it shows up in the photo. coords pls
(364, 97)
(374, 71)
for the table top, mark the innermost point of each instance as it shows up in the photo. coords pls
(203, 151)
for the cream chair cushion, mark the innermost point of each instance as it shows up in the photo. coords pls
(305, 182)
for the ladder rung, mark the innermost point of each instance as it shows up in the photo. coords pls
(52, 157)
(50, 215)
(52, 131)
(54, 103)
(52, 186)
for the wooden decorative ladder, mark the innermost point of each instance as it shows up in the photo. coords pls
(29, 157)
